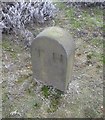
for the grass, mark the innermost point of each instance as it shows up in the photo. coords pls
(54, 97)
(10, 46)
(5, 97)
(6, 43)
(85, 19)
(53, 105)
(102, 59)
(60, 5)
(45, 91)
(7, 46)
(100, 56)
(54, 101)
(95, 56)
(97, 42)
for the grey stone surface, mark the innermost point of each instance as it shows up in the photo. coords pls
(52, 54)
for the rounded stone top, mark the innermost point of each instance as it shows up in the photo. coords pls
(60, 35)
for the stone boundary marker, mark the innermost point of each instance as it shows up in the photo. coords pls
(52, 54)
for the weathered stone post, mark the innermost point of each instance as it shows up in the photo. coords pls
(52, 54)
